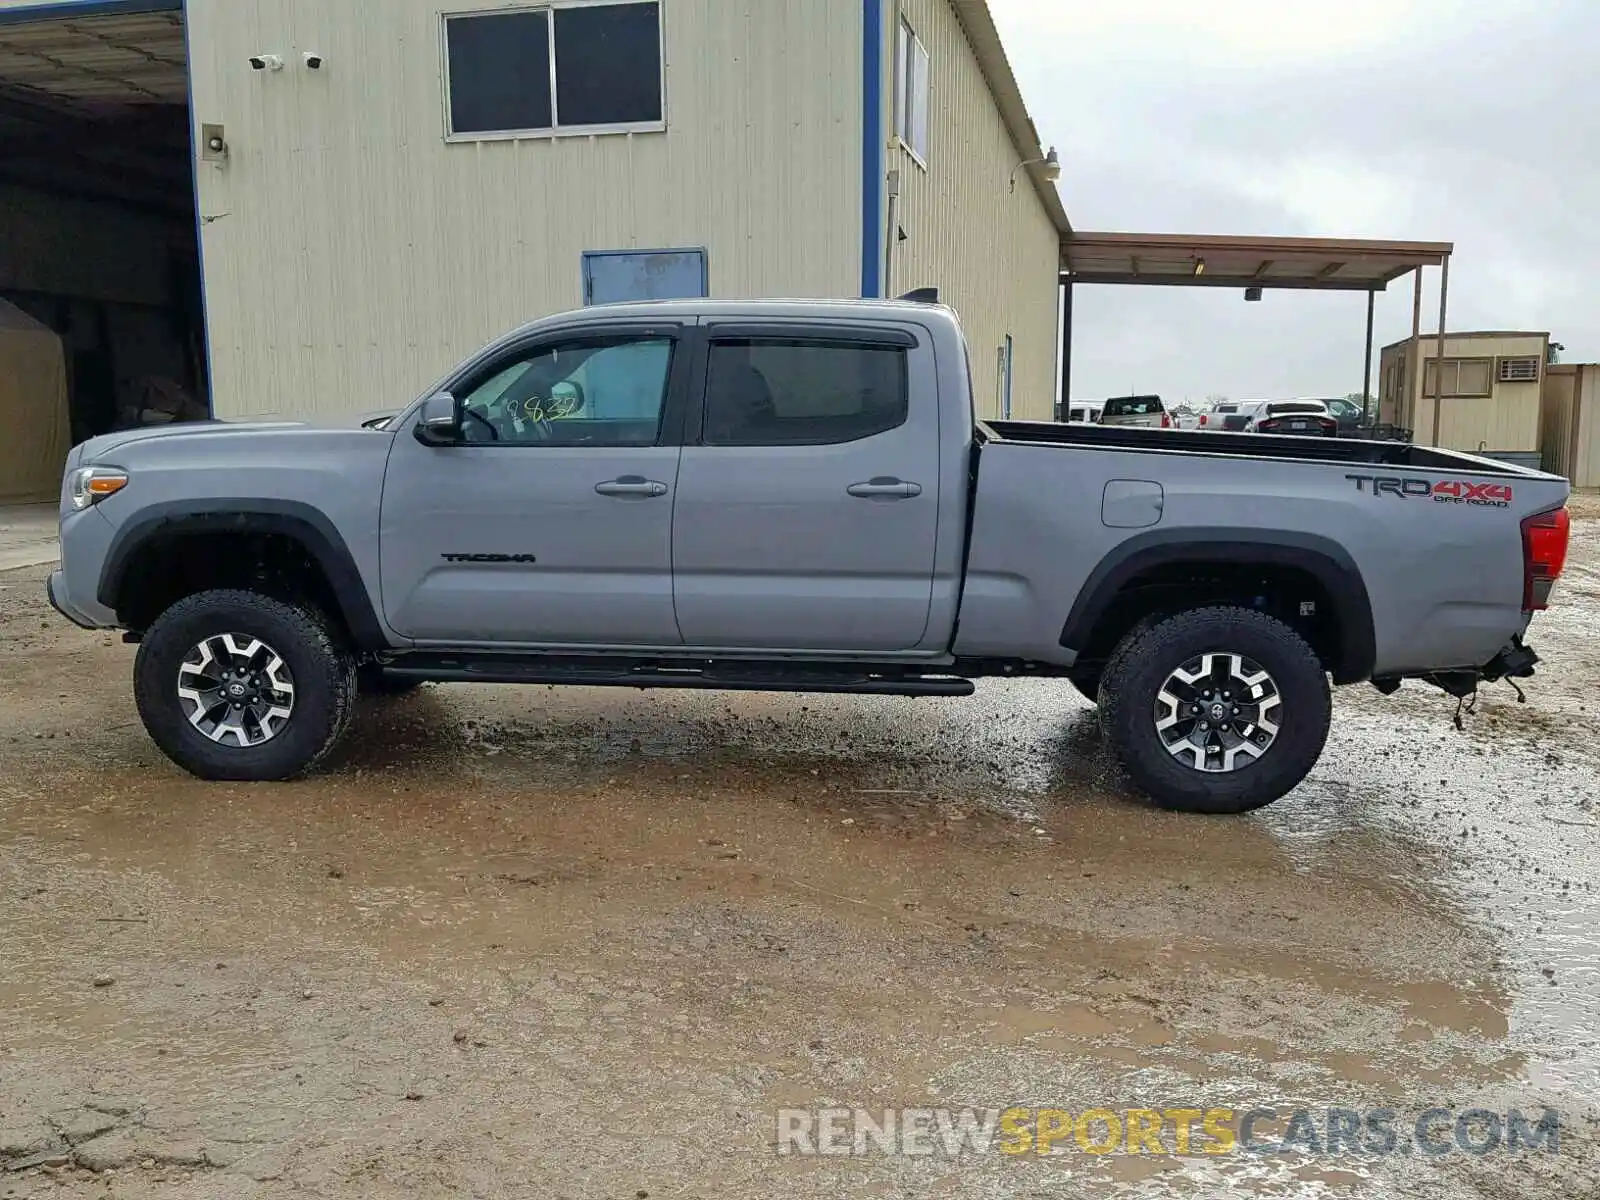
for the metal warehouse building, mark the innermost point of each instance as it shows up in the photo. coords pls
(309, 208)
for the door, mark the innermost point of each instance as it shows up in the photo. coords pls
(550, 523)
(614, 277)
(808, 498)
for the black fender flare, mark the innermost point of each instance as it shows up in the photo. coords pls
(308, 526)
(1329, 563)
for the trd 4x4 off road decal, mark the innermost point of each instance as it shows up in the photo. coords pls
(1446, 491)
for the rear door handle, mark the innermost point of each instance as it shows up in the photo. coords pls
(634, 486)
(885, 487)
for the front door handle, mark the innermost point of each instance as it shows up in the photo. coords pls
(636, 486)
(885, 487)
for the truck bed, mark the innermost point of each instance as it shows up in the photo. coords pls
(1244, 445)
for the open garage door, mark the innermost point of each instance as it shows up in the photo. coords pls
(98, 239)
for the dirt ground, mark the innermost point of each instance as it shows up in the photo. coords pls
(587, 944)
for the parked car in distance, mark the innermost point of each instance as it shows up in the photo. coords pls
(1347, 413)
(1085, 411)
(1229, 416)
(1139, 411)
(1308, 418)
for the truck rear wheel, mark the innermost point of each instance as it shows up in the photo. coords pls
(1216, 710)
(238, 686)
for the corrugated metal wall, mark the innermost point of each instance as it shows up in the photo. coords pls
(352, 256)
(1570, 423)
(994, 254)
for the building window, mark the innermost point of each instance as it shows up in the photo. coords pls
(913, 83)
(1462, 377)
(1522, 369)
(583, 68)
(776, 392)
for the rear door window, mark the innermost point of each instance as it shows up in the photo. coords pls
(803, 392)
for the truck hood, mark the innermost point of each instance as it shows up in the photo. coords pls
(96, 449)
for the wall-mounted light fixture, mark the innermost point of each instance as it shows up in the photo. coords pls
(266, 62)
(1199, 267)
(1051, 163)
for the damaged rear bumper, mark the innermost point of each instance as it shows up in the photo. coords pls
(1515, 661)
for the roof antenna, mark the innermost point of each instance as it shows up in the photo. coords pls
(924, 295)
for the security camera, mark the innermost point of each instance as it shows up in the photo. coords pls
(266, 62)
(313, 60)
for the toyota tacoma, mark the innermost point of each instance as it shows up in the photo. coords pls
(792, 496)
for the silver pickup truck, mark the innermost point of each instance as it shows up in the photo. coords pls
(792, 496)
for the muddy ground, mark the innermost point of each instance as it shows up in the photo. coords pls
(586, 944)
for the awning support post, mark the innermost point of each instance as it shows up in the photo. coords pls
(1438, 371)
(1366, 373)
(1416, 370)
(1066, 348)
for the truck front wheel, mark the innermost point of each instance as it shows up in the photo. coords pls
(1216, 710)
(239, 686)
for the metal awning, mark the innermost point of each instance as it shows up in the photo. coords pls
(1185, 260)
(1252, 264)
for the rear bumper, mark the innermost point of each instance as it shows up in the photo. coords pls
(1516, 661)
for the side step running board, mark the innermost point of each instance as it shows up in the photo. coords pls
(734, 677)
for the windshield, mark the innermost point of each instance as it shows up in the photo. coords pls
(1132, 406)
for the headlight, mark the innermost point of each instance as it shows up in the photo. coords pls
(90, 485)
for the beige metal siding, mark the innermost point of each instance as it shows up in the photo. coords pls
(1508, 419)
(352, 256)
(994, 254)
(1570, 423)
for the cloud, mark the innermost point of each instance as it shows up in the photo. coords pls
(1433, 120)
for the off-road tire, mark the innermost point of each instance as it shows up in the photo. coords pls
(322, 667)
(1140, 666)
(374, 682)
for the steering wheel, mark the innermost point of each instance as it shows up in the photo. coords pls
(468, 413)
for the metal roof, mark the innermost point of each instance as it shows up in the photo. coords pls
(91, 64)
(984, 38)
(1185, 260)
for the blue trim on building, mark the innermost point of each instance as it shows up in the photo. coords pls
(872, 148)
(199, 213)
(49, 10)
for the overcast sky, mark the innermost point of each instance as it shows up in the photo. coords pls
(1434, 120)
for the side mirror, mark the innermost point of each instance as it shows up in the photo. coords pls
(439, 422)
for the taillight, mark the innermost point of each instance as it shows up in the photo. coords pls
(1267, 426)
(1166, 421)
(1330, 427)
(1202, 420)
(1544, 554)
